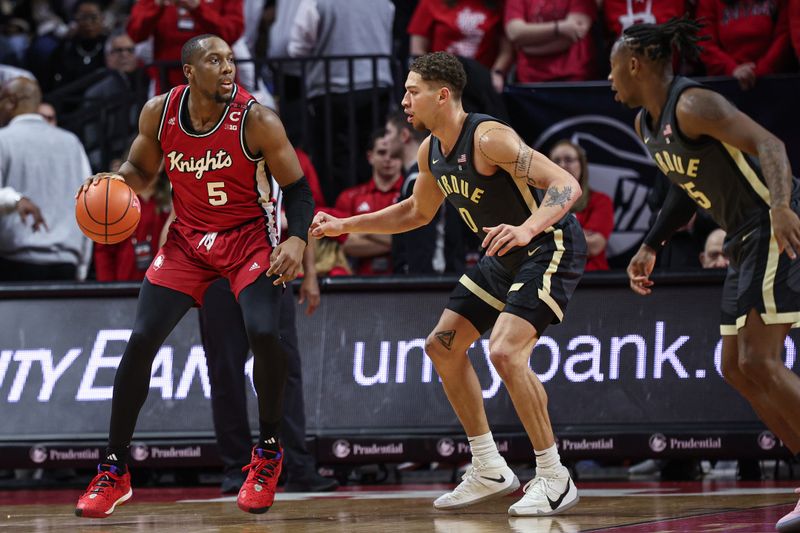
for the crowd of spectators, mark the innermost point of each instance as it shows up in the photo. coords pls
(102, 52)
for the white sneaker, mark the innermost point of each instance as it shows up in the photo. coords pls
(546, 496)
(479, 483)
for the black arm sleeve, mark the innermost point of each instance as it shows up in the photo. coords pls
(676, 212)
(299, 205)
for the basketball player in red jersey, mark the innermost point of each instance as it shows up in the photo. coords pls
(212, 136)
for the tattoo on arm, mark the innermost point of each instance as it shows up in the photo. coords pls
(775, 166)
(445, 338)
(558, 197)
(523, 160)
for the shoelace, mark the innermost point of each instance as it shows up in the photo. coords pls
(103, 479)
(469, 475)
(538, 480)
(264, 467)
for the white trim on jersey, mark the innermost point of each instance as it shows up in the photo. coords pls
(245, 151)
(164, 113)
(221, 119)
(273, 211)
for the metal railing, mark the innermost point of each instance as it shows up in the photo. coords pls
(326, 123)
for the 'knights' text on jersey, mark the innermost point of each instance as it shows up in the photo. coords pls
(213, 175)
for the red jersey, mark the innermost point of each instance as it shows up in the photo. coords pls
(794, 25)
(577, 63)
(598, 216)
(467, 28)
(367, 198)
(750, 31)
(128, 260)
(213, 177)
(171, 26)
(620, 14)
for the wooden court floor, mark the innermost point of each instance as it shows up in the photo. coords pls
(623, 507)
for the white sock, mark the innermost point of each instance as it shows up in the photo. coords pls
(485, 451)
(547, 461)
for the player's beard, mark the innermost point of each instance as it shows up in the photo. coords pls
(222, 99)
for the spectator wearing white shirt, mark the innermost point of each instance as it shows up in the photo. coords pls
(329, 28)
(45, 164)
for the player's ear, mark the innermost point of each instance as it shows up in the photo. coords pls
(187, 70)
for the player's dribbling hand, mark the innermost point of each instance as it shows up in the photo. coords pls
(640, 268)
(325, 225)
(786, 226)
(94, 180)
(286, 259)
(501, 239)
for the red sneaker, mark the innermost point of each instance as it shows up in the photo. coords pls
(258, 492)
(790, 522)
(109, 488)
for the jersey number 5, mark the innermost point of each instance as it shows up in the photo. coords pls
(699, 198)
(216, 196)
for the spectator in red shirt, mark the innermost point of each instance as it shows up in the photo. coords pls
(552, 39)
(372, 252)
(466, 28)
(173, 22)
(595, 210)
(794, 26)
(620, 14)
(748, 38)
(128, 260)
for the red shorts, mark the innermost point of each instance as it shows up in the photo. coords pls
(191, 260)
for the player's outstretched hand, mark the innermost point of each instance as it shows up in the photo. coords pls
(640, 268)
(286, 259)
(500, 239)
(325, 225)
(94, 180)
(786, 226)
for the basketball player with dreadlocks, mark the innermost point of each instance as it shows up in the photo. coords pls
(719, 159)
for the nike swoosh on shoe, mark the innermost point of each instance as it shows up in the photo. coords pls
(554, 504)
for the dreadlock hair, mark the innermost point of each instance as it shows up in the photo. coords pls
(658, 41)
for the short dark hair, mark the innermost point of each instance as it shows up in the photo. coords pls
(442, 67)
(376, 134)
(399, 120)
(192, 46)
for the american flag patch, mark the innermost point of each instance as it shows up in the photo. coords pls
(462, 158)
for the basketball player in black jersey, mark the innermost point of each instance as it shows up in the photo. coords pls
(719, 159)
(517, 201)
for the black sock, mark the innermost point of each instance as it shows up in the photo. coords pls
(269, 442)
(117, 457)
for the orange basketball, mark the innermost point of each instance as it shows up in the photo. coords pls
(108, 212)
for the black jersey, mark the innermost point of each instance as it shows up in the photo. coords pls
(482, 201)
(720, 178)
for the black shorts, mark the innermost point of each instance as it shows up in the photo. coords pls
(759, 278)
(536, 287)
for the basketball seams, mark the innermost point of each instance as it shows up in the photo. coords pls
(108, 232)
(127, 206)
(108, 193)
(127, 232)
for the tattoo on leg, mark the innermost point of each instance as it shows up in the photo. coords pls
(446, 337)
(556, 197)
